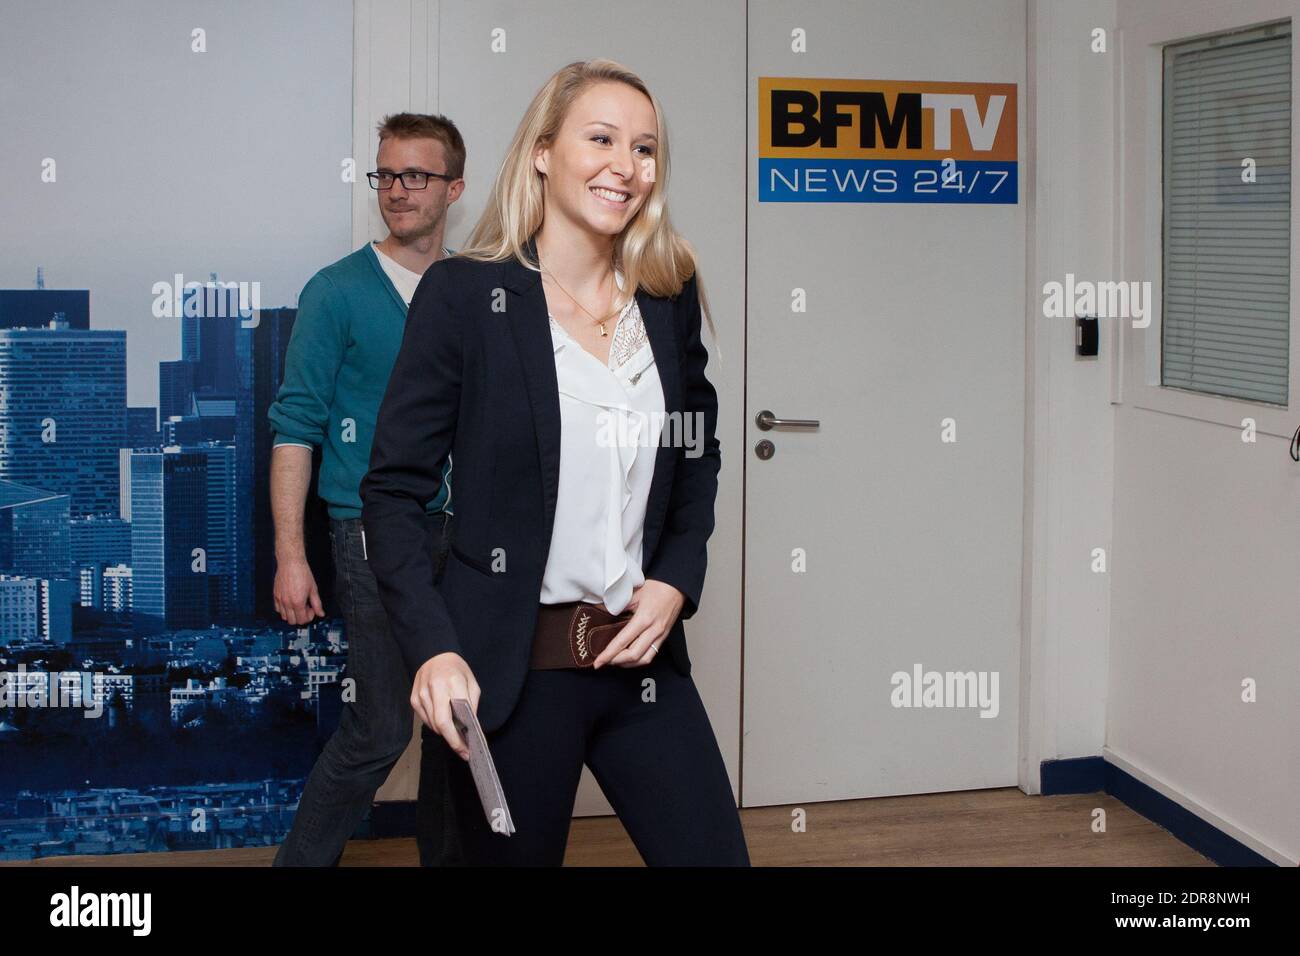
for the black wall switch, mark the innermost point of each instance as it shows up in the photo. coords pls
(1085, 335)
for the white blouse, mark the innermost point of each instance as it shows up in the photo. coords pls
(611, 417)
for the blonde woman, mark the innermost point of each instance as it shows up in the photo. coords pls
(558, 360)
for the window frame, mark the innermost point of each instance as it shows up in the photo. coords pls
(1141, 350)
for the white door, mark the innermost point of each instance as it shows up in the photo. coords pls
(875, 543)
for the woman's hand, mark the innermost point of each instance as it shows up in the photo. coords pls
(439, 681)
(655, 606)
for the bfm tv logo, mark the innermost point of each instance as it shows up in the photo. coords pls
(886, 141)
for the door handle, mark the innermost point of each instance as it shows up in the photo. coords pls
(766, 420)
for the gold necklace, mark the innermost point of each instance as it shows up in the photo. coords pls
(600, 322)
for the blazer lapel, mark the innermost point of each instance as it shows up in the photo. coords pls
(658, 317)
(531, 330)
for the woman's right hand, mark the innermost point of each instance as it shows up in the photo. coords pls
(440, 680)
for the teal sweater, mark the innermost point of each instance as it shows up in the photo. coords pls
(344, 343)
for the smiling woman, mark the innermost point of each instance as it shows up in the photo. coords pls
(601, 315)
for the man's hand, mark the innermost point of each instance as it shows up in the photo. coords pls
(296, 597)
(656, 606)
(439, 680)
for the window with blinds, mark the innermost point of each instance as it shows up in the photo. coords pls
(1227, 214)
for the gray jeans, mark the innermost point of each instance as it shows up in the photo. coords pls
(375, 729)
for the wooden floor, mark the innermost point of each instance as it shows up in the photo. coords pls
(967, 828)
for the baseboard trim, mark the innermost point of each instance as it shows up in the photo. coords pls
(1097, 774)
(1072, 775)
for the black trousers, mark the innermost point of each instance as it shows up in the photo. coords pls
(645, 735)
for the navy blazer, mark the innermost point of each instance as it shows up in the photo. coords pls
(475, 378)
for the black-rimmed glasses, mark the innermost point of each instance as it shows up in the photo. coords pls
(411, 179)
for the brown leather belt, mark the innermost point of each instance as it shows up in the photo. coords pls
(573, 634)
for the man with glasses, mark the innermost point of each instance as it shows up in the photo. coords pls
(345, 339)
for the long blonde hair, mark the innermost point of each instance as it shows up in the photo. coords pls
(649, 251)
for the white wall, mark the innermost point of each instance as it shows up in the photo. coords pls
(1144, 663)
(1069, 419)
(1207, 528)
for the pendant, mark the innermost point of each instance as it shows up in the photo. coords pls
(602, 329)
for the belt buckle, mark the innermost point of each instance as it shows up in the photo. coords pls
(584, 644)
(580, 635)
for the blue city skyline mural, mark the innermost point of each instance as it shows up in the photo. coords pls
(151, 698)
